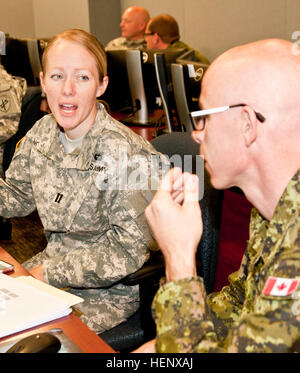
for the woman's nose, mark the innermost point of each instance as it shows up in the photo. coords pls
(68, 87)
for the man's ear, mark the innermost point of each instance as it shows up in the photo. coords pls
(102, 86)
(249, 125)
(157, 39)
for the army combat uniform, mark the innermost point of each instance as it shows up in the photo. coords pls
(12, 90)
(257, 311)
(123, 43)
(97, 233)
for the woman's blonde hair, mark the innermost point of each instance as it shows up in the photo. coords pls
(85, 39)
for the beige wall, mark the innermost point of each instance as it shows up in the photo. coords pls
(16, 18)
(53, 16)
(212, 26)
(42, 18)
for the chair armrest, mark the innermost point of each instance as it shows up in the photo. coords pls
(154, 267)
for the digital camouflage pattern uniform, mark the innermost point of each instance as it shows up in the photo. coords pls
(123, 43)
(12, 90)
(96, 236)
(240, 318)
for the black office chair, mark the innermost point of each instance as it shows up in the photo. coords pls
(181, 143)
(140, 327)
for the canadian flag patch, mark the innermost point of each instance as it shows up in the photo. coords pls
(280, 287)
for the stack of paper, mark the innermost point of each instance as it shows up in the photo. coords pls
(26, 302)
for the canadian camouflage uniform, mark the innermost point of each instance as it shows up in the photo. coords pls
(12, 90)
(240, 318)
(96, 235)
(123, 43)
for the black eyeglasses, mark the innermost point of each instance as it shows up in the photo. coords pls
(199, 124)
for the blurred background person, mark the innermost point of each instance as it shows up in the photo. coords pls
(162, 32)
(133, 25)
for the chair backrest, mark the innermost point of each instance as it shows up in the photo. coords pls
(181, 143)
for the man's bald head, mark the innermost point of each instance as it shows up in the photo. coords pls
(264, 74)
(240, 149)
(142, 13)
(134, 22)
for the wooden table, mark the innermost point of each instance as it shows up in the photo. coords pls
(72, 326)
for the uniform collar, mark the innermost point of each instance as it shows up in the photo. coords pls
(50, 145)
(266, 234)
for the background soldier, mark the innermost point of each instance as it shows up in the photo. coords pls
(133, 25)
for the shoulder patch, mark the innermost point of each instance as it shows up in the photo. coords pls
(280, 287)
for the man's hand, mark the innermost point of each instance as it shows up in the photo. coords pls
(174, 216)
(146, 348)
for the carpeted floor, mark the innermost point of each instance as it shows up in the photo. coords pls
(27, 238)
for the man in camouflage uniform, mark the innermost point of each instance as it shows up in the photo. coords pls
(162, 32)
(133, 25)
(92, 209)
(253, 144)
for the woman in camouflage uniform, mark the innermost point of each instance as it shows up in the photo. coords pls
(66, 168)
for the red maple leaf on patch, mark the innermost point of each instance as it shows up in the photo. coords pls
(281, 286)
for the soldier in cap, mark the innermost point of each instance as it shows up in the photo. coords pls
(133, 25)
(249, 134)
(81, 169)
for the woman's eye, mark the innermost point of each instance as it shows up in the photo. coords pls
(83, 77)
(56, 76)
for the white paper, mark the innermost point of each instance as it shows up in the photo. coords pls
(71, 299)
(23, 306)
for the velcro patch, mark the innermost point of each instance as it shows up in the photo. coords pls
(280, 287)
(8, 103)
